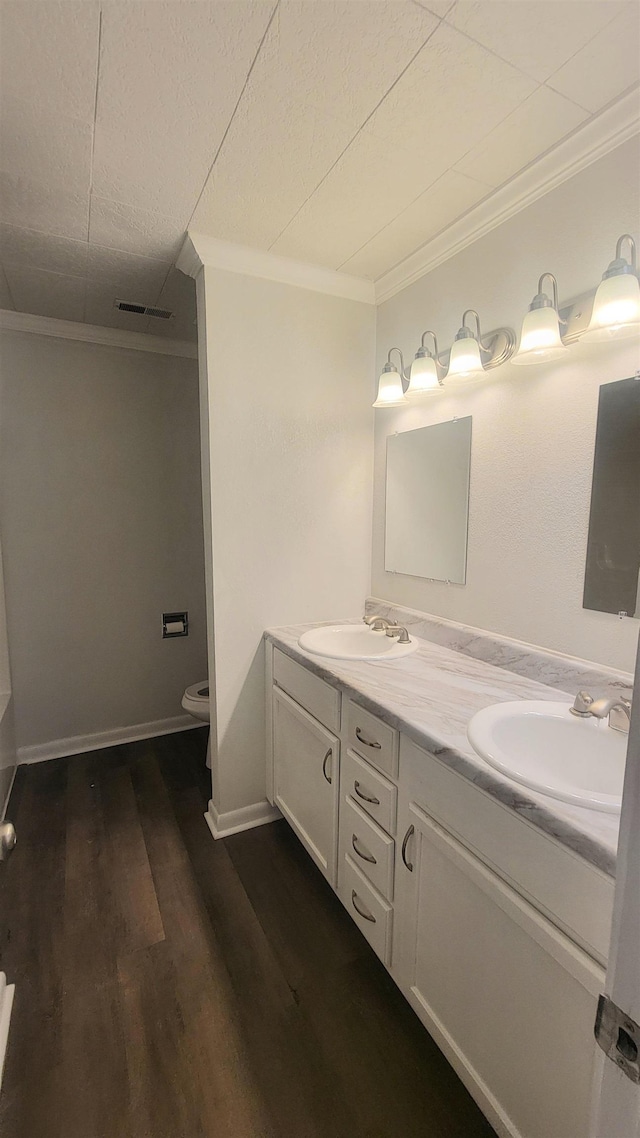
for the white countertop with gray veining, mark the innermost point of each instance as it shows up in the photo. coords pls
(431, 696)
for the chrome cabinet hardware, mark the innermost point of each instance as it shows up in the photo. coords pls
(365, 797)
(405, 842)
(367, 916)
(367, 742)
(365, 857)
(324, 766)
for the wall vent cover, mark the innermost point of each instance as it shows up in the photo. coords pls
(143, 309)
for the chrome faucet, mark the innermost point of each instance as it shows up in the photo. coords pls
(400, 632)
(616, 707)
(377, 623)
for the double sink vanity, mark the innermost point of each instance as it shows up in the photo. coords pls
(468, 822)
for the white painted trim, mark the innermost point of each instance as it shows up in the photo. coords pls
(7, 992)
(199, 250)
(93, 334)
(3, 807)
(78, 744)
(589, 142)
(233, 821)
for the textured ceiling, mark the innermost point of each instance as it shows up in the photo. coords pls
(342, 133)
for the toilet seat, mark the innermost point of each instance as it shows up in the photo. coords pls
(196, 701)
(199, 693)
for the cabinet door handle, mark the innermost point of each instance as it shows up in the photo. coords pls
(367, 742)
(365, 797)
(405, 842)
(365, 857)
(367, 916)
(324, 766)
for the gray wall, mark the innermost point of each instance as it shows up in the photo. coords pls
(100, 504)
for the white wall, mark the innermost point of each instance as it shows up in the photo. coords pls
(533, 428)
(288, 372)
(100, 503)
(7, 731)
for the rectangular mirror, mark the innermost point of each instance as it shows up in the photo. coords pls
(613, 546)
(427, 501)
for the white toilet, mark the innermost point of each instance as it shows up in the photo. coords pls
(196, 701)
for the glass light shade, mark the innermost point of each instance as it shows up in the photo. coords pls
(616, 309)
(464, 361)
(390, 391)
(540, 337)
(423, 378)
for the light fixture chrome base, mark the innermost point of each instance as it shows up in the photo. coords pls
(497, 347)
(503, 342)
(576, 316)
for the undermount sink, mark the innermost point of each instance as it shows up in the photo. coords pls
(542, 745)
(353, 642)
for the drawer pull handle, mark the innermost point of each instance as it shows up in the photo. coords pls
(367, 742)
(324, 766)
(365, 857)
(367, 916)
(365, 797)
(405, 842)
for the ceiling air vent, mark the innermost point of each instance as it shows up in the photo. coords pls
(143, 309)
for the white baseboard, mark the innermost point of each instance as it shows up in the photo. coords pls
(6, 1003)
(233, 821)
(78, 744)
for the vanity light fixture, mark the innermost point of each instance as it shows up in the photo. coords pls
(390, 385)
(540, 337)
(465, 361)
(611, 312)
(425, 373)
(616, 307)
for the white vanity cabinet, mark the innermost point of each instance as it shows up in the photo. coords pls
(496, 933)
(507, 995)
(306, 760)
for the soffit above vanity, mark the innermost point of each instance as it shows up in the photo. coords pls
(342, 134)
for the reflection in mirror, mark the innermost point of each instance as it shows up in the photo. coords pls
(613, 549)
(427, 506)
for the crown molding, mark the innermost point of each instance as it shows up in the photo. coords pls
(588, 143)
(200, 251)
(94, 334)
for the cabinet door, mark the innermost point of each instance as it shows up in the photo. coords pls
(306, 760)
(509, 999)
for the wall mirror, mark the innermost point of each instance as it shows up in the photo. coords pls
(427, 501)
(612, 573)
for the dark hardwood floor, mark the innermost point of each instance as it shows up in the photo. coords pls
(170, 986)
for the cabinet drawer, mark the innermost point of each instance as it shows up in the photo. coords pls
(372, 791)
(368, 847)
(372, 914)
(373, 739)
(318, 698)
(575, 895)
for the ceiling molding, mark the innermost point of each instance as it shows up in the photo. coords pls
(200, 250)
(586, 145)
(93, 334)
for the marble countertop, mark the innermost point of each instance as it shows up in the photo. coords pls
(431, 696)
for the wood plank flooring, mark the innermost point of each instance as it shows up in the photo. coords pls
(170, 986)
